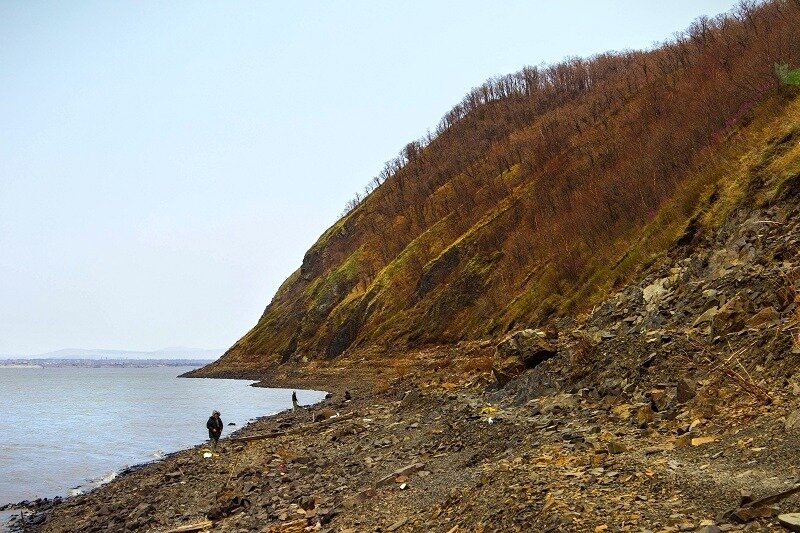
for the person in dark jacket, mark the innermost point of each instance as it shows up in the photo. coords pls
(214, 426)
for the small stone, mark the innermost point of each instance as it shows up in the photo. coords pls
(661, 399)
(764, 318)
(748, 514)
(706, 317)
(745, 497)
(792, 423)
(397, 525)
(687, 389)
(616, 447)
(790, 521)
(699, 441)
(410, 398)
(645, 416)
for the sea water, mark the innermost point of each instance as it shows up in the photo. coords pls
(66, 430)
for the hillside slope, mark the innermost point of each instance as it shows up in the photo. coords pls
(541, 192)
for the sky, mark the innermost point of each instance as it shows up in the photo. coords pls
(164, 166)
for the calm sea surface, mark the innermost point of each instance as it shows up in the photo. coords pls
(76, 427)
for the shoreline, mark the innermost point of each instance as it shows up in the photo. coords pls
(260, 379)
(94, 484)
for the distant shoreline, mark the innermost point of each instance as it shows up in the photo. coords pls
(100, 363)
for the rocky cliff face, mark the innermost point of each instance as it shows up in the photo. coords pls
(543, 192)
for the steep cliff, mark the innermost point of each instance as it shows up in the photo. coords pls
(542, 191)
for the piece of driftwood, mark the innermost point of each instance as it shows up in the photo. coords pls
(751, 510)
(295, 431)
(775, 498)
(197, 526)
(259, 436)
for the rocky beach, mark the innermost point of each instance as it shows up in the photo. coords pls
(673, 406)
(447, 457)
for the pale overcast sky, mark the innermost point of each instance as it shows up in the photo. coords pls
(165, 165)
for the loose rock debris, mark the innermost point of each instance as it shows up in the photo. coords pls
(652, 413)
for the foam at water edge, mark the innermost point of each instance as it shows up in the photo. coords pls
(94, 483)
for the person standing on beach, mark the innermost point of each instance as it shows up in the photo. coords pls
(214, 426)
(295, 405)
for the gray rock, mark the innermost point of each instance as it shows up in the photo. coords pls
(790, 521)
(657, 290)
(662, 399)
(397, 525)
(307, 503)
(731, 317)
(518, 352)
(411, 397)
(707, 316)
(792, 424)
(686, 390)
(616, 447)
(764, 318)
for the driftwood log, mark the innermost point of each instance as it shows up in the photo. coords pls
(297, 430)
(757, 508)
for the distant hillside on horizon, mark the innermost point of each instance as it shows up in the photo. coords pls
(164, 353)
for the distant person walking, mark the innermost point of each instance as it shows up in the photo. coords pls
(295, 405)
(214, 426)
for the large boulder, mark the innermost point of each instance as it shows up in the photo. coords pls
(520, 351)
